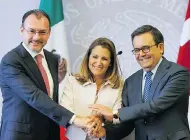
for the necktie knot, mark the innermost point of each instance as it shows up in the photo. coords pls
(38, 58)
(148, 74)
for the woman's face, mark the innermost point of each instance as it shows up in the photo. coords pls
(99, 61)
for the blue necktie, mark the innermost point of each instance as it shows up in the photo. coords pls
(148, 82)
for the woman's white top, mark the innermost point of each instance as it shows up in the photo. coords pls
(77, 97)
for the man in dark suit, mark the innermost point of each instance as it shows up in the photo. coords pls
(29, 85)
(155, 98)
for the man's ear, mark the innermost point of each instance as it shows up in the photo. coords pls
(21, 29)
(161, 47)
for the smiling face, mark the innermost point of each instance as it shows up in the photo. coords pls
(99, 61)
(35, 32)
(148, 60)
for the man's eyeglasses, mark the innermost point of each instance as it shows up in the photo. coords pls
(34, 32)
(145, 49)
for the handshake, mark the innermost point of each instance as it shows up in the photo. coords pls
(93, 124)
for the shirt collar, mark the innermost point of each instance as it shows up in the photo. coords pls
(32, 53)
(91, 82)
(155, 68)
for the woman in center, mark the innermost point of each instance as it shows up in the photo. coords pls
(98, 81)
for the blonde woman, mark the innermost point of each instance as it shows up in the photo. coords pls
(98, 81)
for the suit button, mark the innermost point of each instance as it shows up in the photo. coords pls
(56, 118)
(145, 122)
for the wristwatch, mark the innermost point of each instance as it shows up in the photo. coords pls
(116, 117)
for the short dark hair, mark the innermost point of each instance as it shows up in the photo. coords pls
(38, 13)
(157, 35)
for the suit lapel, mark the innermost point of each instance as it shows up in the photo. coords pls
(138, 85)
(160, 73)
(30, 63)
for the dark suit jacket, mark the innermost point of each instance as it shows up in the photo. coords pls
(164, 117)
(28, 113)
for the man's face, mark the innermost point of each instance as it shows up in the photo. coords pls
(35, 32)
(150, 59)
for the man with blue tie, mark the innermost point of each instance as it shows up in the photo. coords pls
(155, 98)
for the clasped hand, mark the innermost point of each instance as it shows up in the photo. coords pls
(92, 125)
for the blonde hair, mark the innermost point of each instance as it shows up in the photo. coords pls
(112, 74)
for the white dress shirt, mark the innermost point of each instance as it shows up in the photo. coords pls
(45, 65)
(77, 97)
